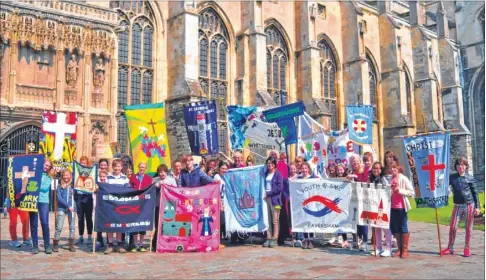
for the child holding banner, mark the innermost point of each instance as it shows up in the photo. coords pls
(84, 208)
(285, 225)
(359, 174)
(377, 176)
(117, 177)
(466, 204)
(401, 190)
(192, 175)
(161, 179)
(43, 211)
(139, 181)
(66, 206)
(303, 239)
(14, 213)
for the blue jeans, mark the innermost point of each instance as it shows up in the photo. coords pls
(363, 233)
(398, 221)
(61, 215)
(43, 214)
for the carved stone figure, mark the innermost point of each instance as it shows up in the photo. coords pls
(99, 76)
(72, 72)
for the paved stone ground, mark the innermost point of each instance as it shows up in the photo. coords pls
(247, 261)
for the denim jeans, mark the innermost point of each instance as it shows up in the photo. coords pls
(61, 215)
(398, 221)
(34, 217)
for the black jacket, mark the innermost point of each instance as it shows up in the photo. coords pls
(464, 189)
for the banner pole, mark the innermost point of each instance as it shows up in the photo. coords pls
(152, 234)
(374, 240)
(436, 212)
(93, 232)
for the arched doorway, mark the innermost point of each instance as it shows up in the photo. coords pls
(477, 108)
(15, 141)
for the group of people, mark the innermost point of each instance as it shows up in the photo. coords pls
(278, 175)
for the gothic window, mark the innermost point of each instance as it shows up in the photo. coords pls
(213, 67)
(328, 82)
(277, 66)
(136, 71)
(408, 92)
(373, 82)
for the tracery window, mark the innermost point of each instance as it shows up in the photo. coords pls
(408, 92)
(277, 65)
(328, 81)
(135, 53)
(213, 68)
(373, 83)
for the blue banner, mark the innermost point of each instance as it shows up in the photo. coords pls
(202, 127)
(243, 199)
(121, 209)
(284, 117)
(24, 181)
(237, 117)
(428, 160)
(360, 123)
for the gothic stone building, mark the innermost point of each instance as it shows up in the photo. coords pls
(421, 64)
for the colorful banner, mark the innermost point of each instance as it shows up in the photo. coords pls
(370, 205)
(284, 117)
(58, 138)
(237, 117)
(360, 123)
(268, 135)
(84, 178)
(189, 219)
(428, 162)
(245, 209)
(202, 127)
(121, 209)
(320, 205)
(148, 136)
(24, 180)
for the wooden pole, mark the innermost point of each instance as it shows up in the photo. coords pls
(93, 232)
(374, 240)
(436, 212)
(152, 233)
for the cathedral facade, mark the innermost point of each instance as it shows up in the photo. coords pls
(420, 64)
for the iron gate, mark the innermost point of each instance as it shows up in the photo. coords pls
(15, 144)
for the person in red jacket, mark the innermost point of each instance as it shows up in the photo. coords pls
(139, 181)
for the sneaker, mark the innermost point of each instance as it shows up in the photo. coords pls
(48, 250)
(345, 244)
(386, 253)
(142, 249)
(310, 245)
(447, 251)
(332, 240)
(121, 250)
(378, 252)
(221, 246)
(27, 242)
(35, 250)
(109, 250)
(266, 243)
(363, 247)
(273, 243)
(305, 243)
(80, 240)
(89, 241)
(99, 246)
(135, 249)
(467, 252)
(15, 244)
(340, 241)
(297, 243)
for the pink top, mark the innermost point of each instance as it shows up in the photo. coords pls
(283, 168)
(396, 198)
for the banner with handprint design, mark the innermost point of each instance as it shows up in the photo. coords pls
(189, 219)
(24, 181)
(84, 178)
(243, 200)
(148, 136)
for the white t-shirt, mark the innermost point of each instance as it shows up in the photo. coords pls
(268, 182)
(217, 177)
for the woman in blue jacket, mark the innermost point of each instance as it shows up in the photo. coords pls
(192, 176)
(273, 191)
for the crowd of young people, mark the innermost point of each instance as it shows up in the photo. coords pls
(279, 173)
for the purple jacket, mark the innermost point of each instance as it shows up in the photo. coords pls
(277, 187)
(195, 178)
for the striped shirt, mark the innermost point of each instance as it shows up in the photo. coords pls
(121, 179)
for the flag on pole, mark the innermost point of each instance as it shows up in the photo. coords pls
(360, 123)
(202, 127)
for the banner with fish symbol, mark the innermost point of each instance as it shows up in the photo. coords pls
(148, 137)
(24, 181)
(202, 127)
(320, 205)
(58, 138)
(121, 209)
(428, 162)
(245, 208)
(189, 219)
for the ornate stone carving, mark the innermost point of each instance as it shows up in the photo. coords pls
(99, 75)
(72, 70)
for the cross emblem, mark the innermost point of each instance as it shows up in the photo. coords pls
(201, 128)
(152, 123)
(60, 129)
(24, 175)
(431, 168)
(359, 125)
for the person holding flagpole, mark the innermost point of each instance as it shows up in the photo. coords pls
(66, 206)
(139, 181)
(466, 204)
